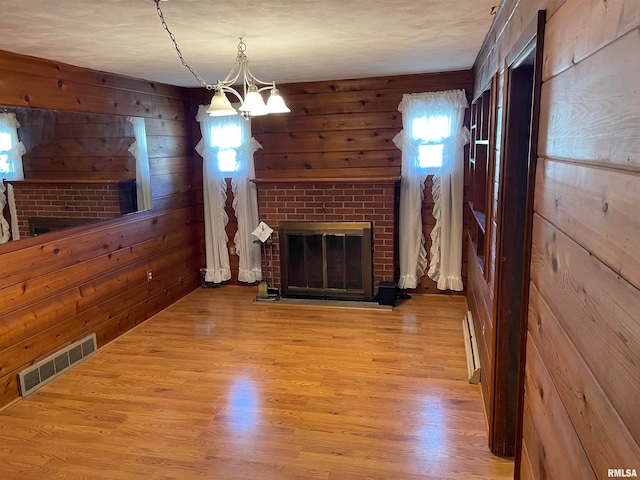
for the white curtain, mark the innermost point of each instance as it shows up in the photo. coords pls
(11, 149)
(433, 122)
(227, 149)
(245, 204)
(140, 152)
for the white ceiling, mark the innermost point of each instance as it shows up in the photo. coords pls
(287, 40)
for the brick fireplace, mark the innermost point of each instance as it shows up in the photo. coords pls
(50, 205)
(335, 200)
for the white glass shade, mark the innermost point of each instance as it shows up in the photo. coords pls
(276, 104)
(253, 103)
(220, 106)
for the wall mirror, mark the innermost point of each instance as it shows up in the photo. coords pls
(77, 168)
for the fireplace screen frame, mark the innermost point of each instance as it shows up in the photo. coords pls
(363, 230)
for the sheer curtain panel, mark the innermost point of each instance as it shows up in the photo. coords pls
(432, 142)
(11, 152)
(140, 152)
(215, 196)
(245, 205)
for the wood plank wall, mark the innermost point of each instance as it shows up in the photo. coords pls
(71, 146)
(582, 385)
(59, 287)
(343, 129)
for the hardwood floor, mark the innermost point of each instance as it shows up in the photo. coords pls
(218, 386)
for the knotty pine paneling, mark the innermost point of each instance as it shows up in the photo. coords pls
(80, 168)
(591, 112)
(378, 140)
(585, 401)
(58, 287)
(61, 72)
(25, 323)
(478, 296)
(598, 311)
(585, 281)
(342, 129)
(300, 164)
(597, 205)
(526, 469)
(340, 124)
(337, 121)
(511, 19)
(547, 429)
(15, 294)
(576, 32)
(75, 146)
(402, 83)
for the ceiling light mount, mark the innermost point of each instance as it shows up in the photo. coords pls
(252, 103)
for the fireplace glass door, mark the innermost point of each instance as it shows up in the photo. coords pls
(326, 259)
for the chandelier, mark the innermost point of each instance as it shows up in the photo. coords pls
(251, 102)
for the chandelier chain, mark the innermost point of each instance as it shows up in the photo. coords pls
(200, 80)
(251, 103)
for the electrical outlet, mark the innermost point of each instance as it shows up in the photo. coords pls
(232, 250)
(149, 275)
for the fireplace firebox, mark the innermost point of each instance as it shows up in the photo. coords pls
(330, 260)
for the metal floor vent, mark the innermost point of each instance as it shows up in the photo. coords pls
(34, 377)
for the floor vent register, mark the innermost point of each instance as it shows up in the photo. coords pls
(37, 375)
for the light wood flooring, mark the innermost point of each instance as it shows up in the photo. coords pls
(218, 386)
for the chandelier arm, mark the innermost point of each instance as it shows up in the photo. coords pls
(249, 77)
(233, 75)
(270, 86)
(200, 80)
(257, 80)
(224, 88)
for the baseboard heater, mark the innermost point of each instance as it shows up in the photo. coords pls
(37, 375)
(471, 349)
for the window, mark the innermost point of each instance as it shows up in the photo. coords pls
(431, 131)
(227, 139)
(5, 147)
(11, 149)
(430, 156)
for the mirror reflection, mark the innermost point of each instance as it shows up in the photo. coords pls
(62, 169)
